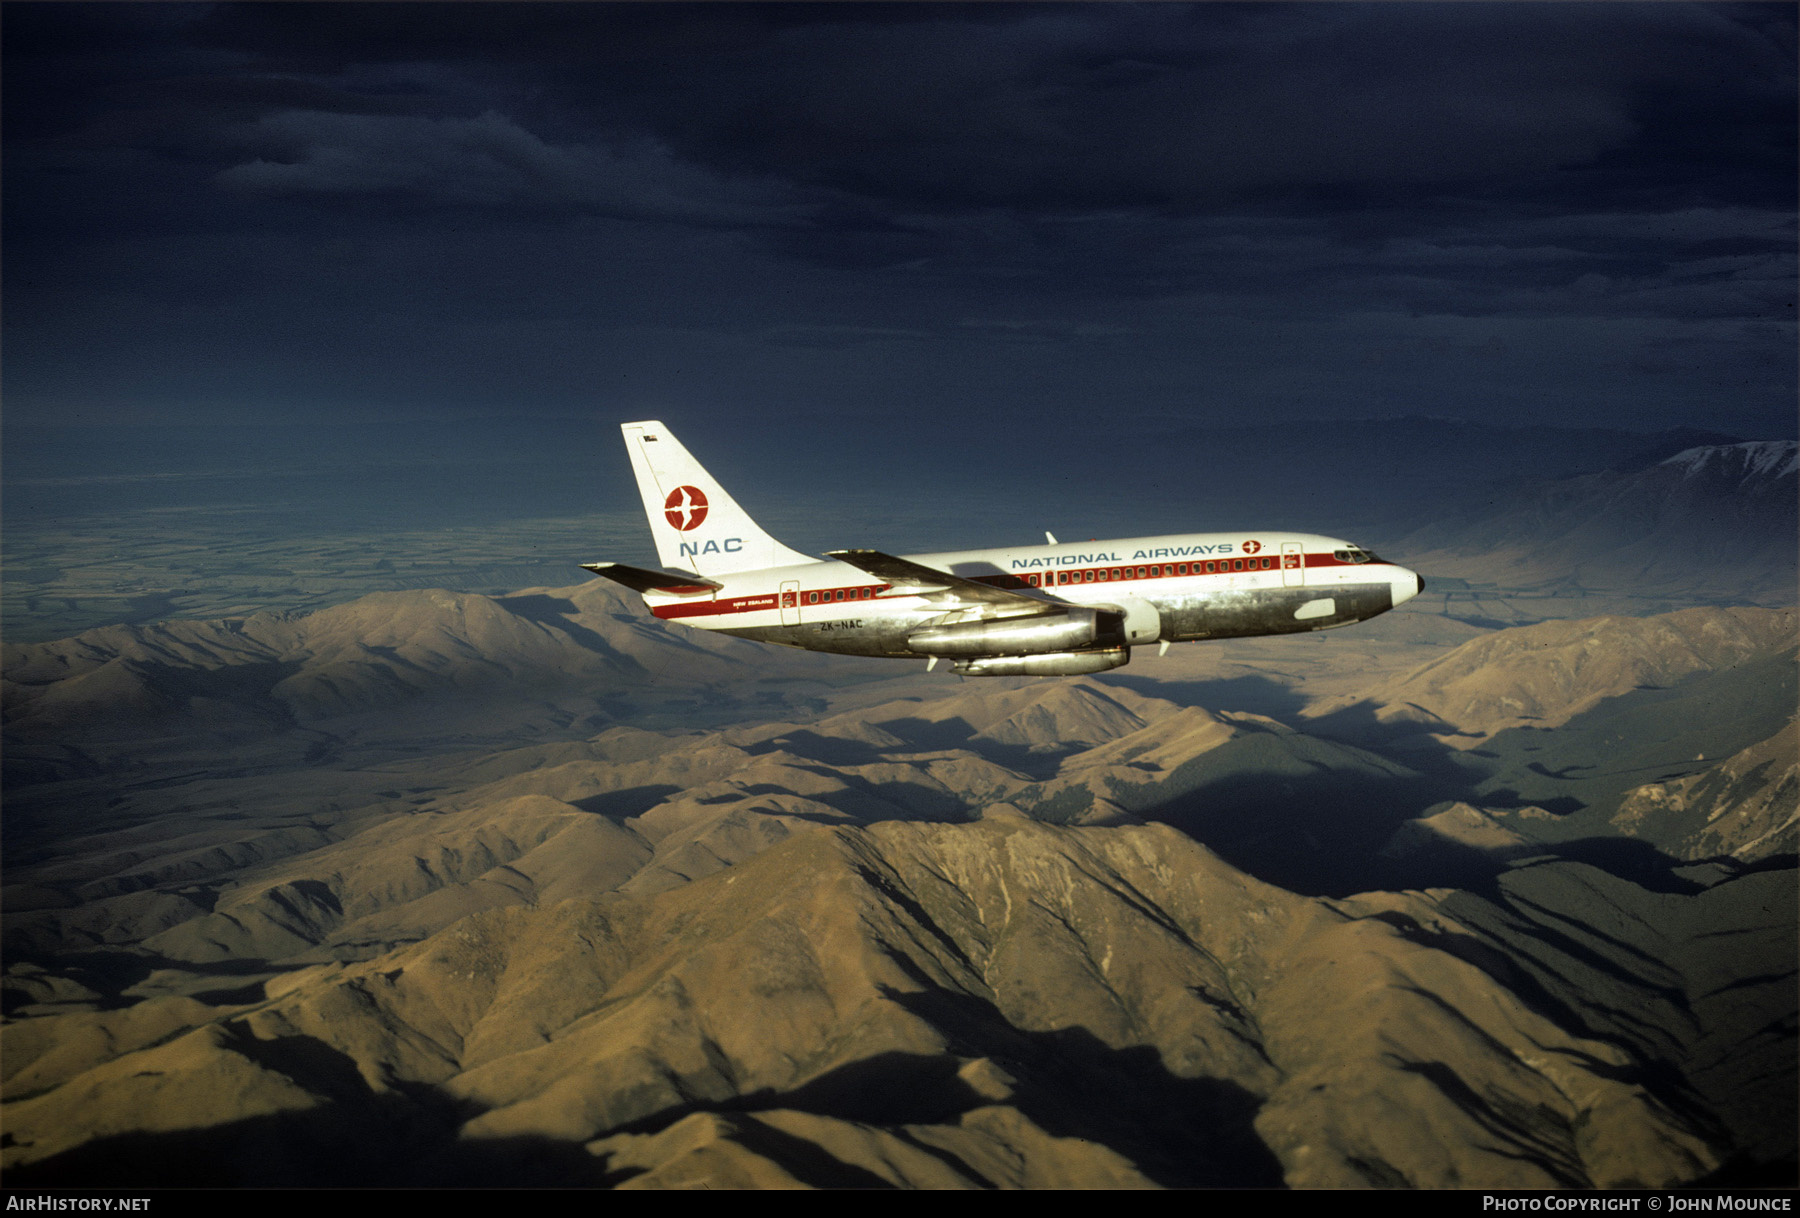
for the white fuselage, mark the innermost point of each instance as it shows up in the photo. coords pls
(1171, 588)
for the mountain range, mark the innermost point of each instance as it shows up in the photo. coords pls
(923, 933)
(1712, 524)
(437, 888)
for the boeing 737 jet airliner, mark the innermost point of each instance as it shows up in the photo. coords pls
(1031, 611)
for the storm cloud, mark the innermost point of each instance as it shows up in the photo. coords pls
(1187, 212)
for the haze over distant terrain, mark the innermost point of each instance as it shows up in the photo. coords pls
(353, 836)
(150, 526)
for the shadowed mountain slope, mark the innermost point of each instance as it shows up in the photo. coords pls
(1746, 807)
(638, 813)
(954, 988)
(1545, 675)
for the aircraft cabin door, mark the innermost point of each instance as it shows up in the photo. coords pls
(790, 602)
(1293, 565)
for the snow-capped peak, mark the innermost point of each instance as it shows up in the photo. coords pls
(1754, 458)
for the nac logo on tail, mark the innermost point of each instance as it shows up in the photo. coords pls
(685, 507)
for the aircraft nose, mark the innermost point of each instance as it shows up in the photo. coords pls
(1406, 585)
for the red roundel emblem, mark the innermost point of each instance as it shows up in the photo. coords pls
(685, 507)
(1251, 547)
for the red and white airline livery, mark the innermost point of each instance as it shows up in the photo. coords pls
(1028, 611)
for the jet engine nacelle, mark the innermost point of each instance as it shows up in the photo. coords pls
(1058, 664)
(1037, 634)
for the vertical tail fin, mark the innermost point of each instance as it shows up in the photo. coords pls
(697, 526)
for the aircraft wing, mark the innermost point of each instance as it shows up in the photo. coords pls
(639, 579)
(916, 579)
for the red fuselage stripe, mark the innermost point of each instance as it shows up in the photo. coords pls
(1086, 576)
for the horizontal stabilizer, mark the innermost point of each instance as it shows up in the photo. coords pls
(917, 579)
(640, 579)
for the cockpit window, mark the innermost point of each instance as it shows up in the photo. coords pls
(1354, 555)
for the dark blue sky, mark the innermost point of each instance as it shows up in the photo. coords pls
(968, 218)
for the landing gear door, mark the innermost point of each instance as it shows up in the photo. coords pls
(790, 603)
(1293, 565)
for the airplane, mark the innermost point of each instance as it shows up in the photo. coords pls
(1051, 610)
